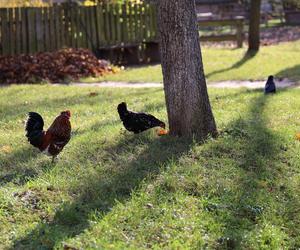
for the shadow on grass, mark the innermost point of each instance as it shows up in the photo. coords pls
(101, 192)
(246, 57)
(17, 175)
(291, 73)
(241, 209)
(259, 151)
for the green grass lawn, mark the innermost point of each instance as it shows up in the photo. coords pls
(114, 190)
(222, 64)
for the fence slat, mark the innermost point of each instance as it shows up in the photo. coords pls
(147, 27)
(82, 22)
(153, 23)
(73, 26)
(118, 24)
(39, 30)
(47, 42)
(18, 38)
(31, 30)
(131, 25)
(124, 24)
(79, 35)
(66, 26)
(61, 18)
(136, 23)
(86, 28)
(100, 25)
(11, 25)
(94, 26)
(141, 22)
(106, 21)
(52, 28)
(24, 44)
(57, 25)
(112, 21)
(4, 32)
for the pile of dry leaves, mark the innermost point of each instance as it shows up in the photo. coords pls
(52, 67)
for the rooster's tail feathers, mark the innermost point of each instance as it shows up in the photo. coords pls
(34, 129)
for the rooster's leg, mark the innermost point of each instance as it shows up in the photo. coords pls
(53, 159)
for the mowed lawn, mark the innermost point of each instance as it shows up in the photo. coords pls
(222, 64)
(114, 190)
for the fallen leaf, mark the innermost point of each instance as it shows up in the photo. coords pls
(92, 94)
(149, 205)
(6, 149)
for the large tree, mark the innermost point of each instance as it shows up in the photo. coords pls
(254, 26)
(188, 105)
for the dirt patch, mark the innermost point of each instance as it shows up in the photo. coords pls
(118, 85)
(284, 83)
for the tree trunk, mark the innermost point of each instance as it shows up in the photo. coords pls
(254, 25)
(188, 106)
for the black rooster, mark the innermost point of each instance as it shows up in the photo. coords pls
(137, 122)
(270, 86)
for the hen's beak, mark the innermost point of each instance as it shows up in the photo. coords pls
(162, 125)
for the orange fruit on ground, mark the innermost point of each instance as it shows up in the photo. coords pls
(162, 132)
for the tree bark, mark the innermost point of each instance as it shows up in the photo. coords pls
(188, 106)
(254, 26)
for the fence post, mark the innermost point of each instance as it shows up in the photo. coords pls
(240, 33)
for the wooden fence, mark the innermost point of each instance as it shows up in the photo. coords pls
(122, 33)
(236, 22)
(30, 30)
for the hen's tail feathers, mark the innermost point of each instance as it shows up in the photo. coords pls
(34, 129)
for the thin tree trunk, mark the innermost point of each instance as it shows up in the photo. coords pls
(254, 26)
(188, 105)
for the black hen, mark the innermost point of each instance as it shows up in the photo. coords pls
(137, 122)
(270, 86)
